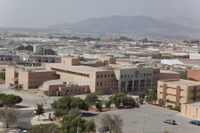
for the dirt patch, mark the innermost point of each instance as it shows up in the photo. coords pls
(2, 81)
(29, 91)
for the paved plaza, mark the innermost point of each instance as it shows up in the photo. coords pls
(147, 118)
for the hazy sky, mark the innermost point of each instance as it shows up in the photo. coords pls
(43, 13)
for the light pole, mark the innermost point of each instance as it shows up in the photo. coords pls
(144, 117)
(149, 98)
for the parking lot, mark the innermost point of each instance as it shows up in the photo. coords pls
(137, 120)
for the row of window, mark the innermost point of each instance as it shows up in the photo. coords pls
(101, 76)
(70, 72)
(136, 75)
(108, 83)
(36, 82)
(105, 89)
(44, 75)
(76, 90)
(156, 72)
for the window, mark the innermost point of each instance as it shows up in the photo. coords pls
(108, 75)
(125, 76)
(101, 76)
(71, 90)
(147, 74)
(104, 75)
(104, 83)
(97, 83)
(97, 76)
(150, 74)
(79, 89)
(111, 82)
(155, 72)
(112, 75)
(97, 89)
(128, 75)
(108, 83)
(158, 72)
(101, 83)
(144, 74)
(131, 75)
(104, 89)
(157, 78)
(121, 76)
(75, 89)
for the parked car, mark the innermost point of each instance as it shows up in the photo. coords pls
(170, 121)
(25, 131)
(137, 105)
(195, 122)
(103, 129)
(128, 106)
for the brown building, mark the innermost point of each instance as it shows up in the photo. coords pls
(194, 74)
(178, 91)
(75, 77)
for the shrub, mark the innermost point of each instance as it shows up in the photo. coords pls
(98, 106)
(178, 108)
(141, 95)
(107, 104)
(117, 103)
(169, 106)
(141, 101)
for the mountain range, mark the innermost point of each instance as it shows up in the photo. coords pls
(132, 26)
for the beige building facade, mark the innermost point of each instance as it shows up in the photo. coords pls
(191, 110)
(102, 75)
(178, 91)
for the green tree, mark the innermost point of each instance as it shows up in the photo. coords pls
(3, 76)
(10, 99)
(50, 52)
(128, 101)
(124, 91)
(75, 111)
(117, 98)
(39, 110)
(45, 128)
(91, 98)
(100, 93)
(115, 123)
(73, 124)
(80, 58)
(107, 104)
(98, 105)
(54, 104)
(8, 116)
(59, 113)
(153, 96)
(141, 95)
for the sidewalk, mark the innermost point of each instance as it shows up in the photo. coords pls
(42, 120)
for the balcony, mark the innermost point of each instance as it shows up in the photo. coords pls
(171, 91)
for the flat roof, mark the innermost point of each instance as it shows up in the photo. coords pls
(197, 104)
(168, 71)
(43, 70)
(88, 68)
(187, 83)
(54, 82)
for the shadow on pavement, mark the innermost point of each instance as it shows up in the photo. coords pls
(89, 114)
(22, 106)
